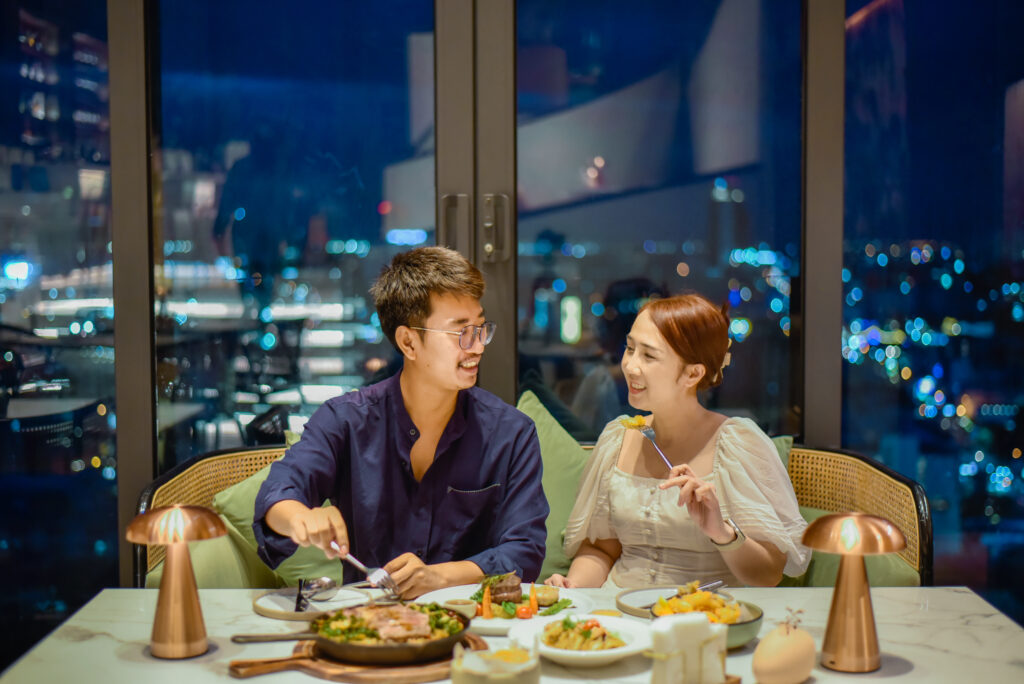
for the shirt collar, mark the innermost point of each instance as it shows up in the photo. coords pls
(407, 430)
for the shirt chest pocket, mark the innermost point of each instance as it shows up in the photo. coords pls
(472, 508)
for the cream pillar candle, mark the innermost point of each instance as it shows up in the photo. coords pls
(713, 655)
(687, 649)
(667, 667)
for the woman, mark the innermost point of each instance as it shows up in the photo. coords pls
(726, 509)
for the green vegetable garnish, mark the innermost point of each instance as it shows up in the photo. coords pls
(557, 607)
(509, 608)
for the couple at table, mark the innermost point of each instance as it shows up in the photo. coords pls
(439, 481)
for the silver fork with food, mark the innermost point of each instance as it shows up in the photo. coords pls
(638, 423)
(378, 577)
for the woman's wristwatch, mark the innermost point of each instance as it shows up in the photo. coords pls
(735, 543)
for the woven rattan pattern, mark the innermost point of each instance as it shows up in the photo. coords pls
(839, 483)
(198, 484)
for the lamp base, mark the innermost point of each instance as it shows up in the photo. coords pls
(851, 642)
(178, 629)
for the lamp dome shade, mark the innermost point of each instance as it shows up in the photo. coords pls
(855, 534)
(173, 524)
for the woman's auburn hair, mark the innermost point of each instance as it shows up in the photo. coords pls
(402, 291)
(696, 330)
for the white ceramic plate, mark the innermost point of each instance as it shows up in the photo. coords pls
(638, 602)
(499, 626)
(280, 603)
(635, 633)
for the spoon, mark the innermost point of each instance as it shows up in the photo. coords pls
(320, 589)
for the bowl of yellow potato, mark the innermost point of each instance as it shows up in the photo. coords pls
(743, 618)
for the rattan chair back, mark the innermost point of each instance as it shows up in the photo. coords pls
(195, 482)
(840, 481)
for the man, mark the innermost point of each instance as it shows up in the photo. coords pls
(433, 478)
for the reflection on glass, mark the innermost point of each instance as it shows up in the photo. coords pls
(58, 497)
(934, 256)
(285, 145)
(658, 152)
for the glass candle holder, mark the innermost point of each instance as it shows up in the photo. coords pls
(513, 664)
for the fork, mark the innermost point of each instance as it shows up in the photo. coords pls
(648, 432)
(707, 586)
(378, 577)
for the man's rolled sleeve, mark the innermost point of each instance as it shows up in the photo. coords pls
(306, 474)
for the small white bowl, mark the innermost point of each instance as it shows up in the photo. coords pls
(635, 633)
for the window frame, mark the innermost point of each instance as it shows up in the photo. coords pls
(475, 110)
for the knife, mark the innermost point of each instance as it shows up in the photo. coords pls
(300, 601)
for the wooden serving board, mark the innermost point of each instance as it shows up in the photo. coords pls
(306, 658)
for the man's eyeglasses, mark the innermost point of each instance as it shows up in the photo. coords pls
(468, 335)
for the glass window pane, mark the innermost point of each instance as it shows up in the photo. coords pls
(934, 257)
(294, 154)
(58, 494)
(658, 152)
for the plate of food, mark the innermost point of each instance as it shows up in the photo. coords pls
(743, 618)
(380, 634)
(584, 640)
(499, 601)
(638, 602)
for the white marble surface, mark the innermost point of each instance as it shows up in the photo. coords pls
(936, 634)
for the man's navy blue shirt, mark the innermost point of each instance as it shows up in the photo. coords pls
(480, 500)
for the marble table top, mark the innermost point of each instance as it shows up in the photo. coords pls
(931, 634)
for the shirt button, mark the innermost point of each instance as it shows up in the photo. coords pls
(653, 489)
(647, 513)
(412, 432)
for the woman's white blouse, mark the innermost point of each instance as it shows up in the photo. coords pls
(660, 543)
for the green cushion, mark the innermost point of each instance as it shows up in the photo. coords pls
(227, 562)
(532, 382)
(237, 504)
(783, 444)
(888, 570)
(563, 464)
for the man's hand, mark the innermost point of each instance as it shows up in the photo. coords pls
(310, 526)
(414, 577)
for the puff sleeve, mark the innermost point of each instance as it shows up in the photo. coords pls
(590, 518)
(754, 490)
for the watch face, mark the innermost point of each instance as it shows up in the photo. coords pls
(739, 532)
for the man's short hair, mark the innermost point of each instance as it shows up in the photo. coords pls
(402, 291)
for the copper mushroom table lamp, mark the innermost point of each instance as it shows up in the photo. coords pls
(851, 643)
(178, 629)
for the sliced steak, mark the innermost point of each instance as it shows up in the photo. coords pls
(509, 588)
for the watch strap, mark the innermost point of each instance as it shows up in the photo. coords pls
(735, 543)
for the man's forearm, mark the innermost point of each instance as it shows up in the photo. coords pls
(459, 572)
(279, 515)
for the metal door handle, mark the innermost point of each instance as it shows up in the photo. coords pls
(497, 228)
(455, 228)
